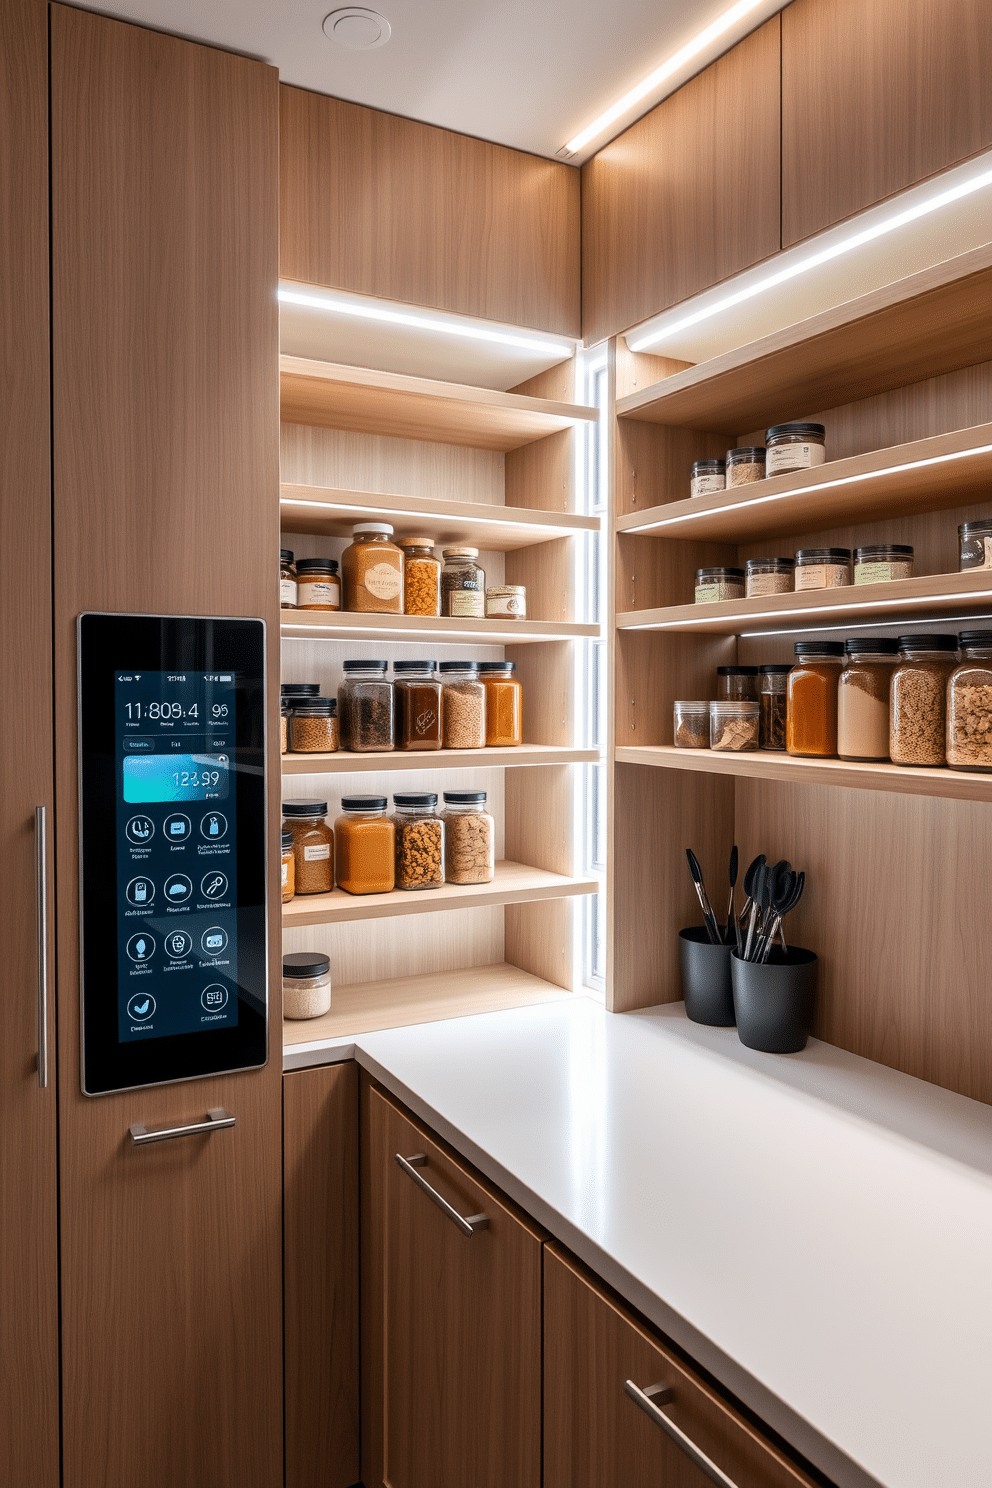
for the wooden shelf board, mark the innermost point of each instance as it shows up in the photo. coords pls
(906, 601)
(497, 529)
(927, 475)
(400, 1002)
(515, 883)
(368, 402)
(919, 327)
(348, 625)
(764, 765)
(345, 763)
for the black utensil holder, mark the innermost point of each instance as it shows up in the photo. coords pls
(706, 985)
(774, 1003)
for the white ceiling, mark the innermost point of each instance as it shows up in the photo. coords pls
(525, 73)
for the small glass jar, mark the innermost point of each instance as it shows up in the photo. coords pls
(469, 838)
(372, 569)
(745, 466)
(823, 568)
(365, 846)
(365, 707)
(770, 576)
(287, 864)
(714, 584)
(969, 705)
(285, 709)
(734, 726)
(774, 705)
(421, 576)
(692, 725)
(317, 584)
(918, 699)
(794, 447)
(291, 692)
(313, 726)
(811, 699)
(419, 841)
(306, 984)
(506, 602)
(504, 704)
(463, 584)
(737, 684)
(882, 563)
(417, 694)
(313, 845)
(975, 544)
(863, 698)
(463, 706)
(287, 580)
(707, 477)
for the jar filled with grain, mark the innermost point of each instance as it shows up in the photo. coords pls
(372, 569)
(417, 697)
(918, 699)
(969, 705)
(774, 681)
(883, 562)
(318, 586)
(365, 707)
(504, 704)
(463, 584)
(287, 867)
(313, 726)
(284, 711)
(463, 706)
(287, 580)
(421, 576)
(734, 683)
(734, 726)
(863, 698)
(419, 841)
(313, 845)
(770, 576)
(714, 585)
(366, 844)
(823, 568)
(707, 477)
(745, 465)
(811, 699)
(469, 838)
(306, 984)
(796, 446)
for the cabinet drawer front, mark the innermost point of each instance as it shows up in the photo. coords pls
(595, 1433)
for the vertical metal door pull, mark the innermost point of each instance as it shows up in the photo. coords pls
(41, 914)
(650, 1400)
(468, 1227)
(217, 1120)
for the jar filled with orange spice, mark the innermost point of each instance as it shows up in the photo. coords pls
(365, 842)
(372, 569)
(504, 704)
(811, 699)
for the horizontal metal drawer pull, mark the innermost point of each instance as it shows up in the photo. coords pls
(650, 1400)
(217, 1120)
(468, 1226)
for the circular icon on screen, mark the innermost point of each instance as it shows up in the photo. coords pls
(214, 826)
(213, 941)
(177, 828)
(141, 947)
(141, 1007)
(213, 885)
(178, 888)
(178, 944)
(140, 829)
(140, 892)
(214, 997)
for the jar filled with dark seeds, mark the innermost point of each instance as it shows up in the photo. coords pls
(365, 707)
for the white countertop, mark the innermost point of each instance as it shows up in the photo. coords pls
(815, 1229)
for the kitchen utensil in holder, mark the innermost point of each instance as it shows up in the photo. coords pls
(773, 1002)
(706, 978)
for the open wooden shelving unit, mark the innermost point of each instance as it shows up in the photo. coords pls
(344, 626)
(405, 760)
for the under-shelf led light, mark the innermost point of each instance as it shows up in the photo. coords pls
(791, 615)
(750, 635)
(467, 332)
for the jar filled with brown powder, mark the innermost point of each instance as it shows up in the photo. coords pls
(365, 846)
(504, 704)
(417, 691)
(372, 569)
(313, 845)
(811, 699)
(863, 698)
(918, 699)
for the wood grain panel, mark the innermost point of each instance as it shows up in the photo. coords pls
(321, 1243)
(165, 221)
(688, 195)
(385, 206)
(29, 1356)
(313, 456)
(876, 97)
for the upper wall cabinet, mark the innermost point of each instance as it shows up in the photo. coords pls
(876, 97)
(689, 195)
(380, 205)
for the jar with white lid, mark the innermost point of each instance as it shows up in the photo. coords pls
(306, 984)
(463, 585)
(372, 568)
(796, 446)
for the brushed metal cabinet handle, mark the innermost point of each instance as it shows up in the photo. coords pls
(650, 1400)
(217, 1120)
(41, 918)
(468, 1227)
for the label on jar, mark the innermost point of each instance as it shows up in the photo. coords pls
(383, 580)
(708, 593)
(498, 605)
(287, 592)
(707, 485)
(775, 583)
(467, 603)
(881, 573)
(317, 594)
(782, 458)
(318, 852)
(823, 576)
(285, 874)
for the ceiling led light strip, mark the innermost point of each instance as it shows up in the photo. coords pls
(425, 323)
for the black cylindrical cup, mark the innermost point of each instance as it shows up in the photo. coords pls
(774, 1002)
(706, 979)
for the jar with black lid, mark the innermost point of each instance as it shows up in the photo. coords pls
(287, 580)
(464, 705)
(823, 568)
(707, 477)
(313, 845)
(975, 544)
(287, 865)
(736, 683)
(811, 699)
(313, 726)
(716, 584)
(317, 584)
(365, 707)
(863, 698)
(469, 838)
(306, 984)
(918, 699)
(419, 841)
(770, 576)
(773, 700)
(795, 446)
(417, 690)
(291, 690)
(883, 562)
(969, 705)
(745, 465)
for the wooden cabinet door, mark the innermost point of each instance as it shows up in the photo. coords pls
(457, 1380)
(594, 1432)
(320, 1244)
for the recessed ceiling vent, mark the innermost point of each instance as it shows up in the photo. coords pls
(357, 28)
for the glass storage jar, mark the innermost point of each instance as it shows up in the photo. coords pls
(770, 576)
(715, 584)
(969, 705)
(463, 584)
(287, 867)
(419, 841)
(823, 568)
(773, 700)
(292, 691)
(317, 584)
(504, 704)
(306, 984)
(506, 602)
(692, 725)
(284, 711)
(313, 726)
(745, 465)
(372, 569)
(737, 683)
(417, 695)
(469, 838)
(863, 698)
(918, 699)
(313, 845)
(463, 706)
(707, 477)
(975, 544)
(365, 707)
(734, 726)
(883, 562)
(287, 580)
(365, 846)
(811, 699)
(421, 576)
(794, 447)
